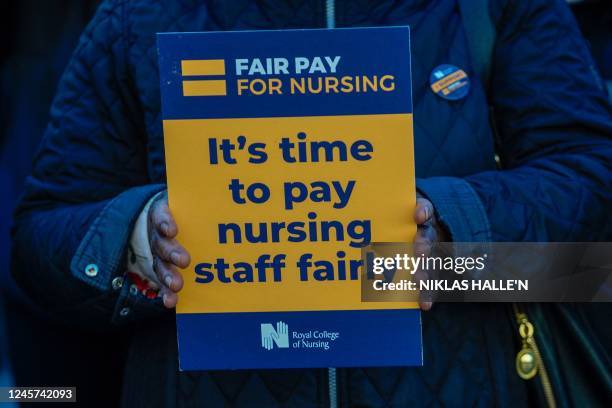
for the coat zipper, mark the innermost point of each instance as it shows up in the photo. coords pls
(330, 13)
(330, 20)
(333, 389)
(529, 361)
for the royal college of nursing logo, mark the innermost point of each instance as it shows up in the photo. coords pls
(271, 336)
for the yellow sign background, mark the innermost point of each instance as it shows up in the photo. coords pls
(200, 199)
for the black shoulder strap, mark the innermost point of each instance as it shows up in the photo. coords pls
(481, 33)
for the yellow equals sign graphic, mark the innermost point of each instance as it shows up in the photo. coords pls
(204, 87)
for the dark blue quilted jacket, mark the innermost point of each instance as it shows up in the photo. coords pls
(102, 158)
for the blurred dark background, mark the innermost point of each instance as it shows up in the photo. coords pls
(37, 39)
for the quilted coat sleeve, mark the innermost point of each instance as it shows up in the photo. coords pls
(88, 186)
(555, 127)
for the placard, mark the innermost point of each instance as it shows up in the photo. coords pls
(286, 152)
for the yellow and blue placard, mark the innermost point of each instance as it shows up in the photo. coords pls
(286, 152)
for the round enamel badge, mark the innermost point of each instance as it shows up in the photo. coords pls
(449, 82)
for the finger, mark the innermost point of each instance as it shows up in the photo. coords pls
(170, 298)
(425, 305)
(423, 211)
(425, 301)
(423, 243)
(162, 219)
(170, 250)
(426, 233)
(423, 240)
(169, 275)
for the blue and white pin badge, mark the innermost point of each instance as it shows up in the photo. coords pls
(449, 82)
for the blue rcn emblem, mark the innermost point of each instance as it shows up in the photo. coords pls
(449, 82)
